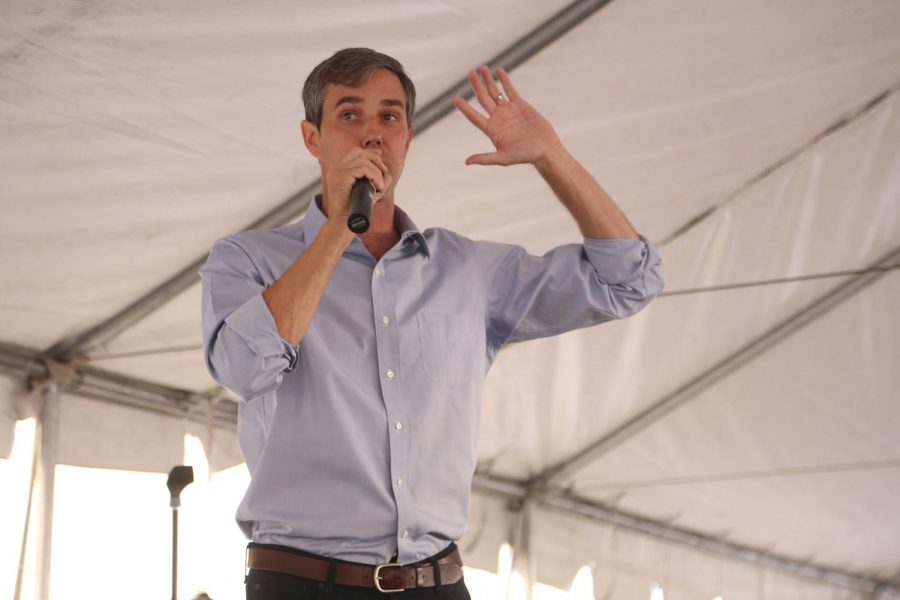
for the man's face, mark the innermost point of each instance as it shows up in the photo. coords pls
(372, 116)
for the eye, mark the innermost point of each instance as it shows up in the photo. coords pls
(347, 115)
(391, 117)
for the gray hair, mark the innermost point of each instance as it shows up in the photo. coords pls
(352, 67)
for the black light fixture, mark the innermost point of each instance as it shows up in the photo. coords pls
(179, 478)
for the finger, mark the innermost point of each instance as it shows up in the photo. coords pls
(374, 156)
(387, 183)
(489, 158)
(372, 173)
(380, 194)
(487, 103)
(489, 83)
(474, 117)
(377, 178)
(508, 86)
(367, 158)
(363, 155)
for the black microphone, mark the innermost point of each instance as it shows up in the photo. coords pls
(179, 478)
(362, 196)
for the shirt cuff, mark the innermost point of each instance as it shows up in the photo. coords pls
(619, 260)
(254, 324)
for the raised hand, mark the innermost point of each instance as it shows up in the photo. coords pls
(520, 134)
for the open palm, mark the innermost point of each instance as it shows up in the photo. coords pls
(520, 134)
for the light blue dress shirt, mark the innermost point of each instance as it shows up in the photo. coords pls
(362, 440)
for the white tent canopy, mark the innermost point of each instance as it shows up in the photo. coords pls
(746, 423)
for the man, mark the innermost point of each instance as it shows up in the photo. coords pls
(359, 360)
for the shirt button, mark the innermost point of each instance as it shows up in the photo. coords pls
(385, 319)
(377, 270)
(398, 425)
(399, 481)
(390, 374)
(405, 534)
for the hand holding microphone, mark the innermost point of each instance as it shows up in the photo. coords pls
(365, 175)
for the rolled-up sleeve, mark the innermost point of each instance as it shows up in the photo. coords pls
(570, 287)
(242, 347)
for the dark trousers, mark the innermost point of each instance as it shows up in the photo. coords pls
(268, 585)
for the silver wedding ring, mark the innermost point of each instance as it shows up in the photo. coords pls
(501, 97)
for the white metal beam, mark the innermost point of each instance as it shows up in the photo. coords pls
(48, 428)
(29, 366)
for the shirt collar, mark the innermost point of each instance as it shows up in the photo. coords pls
(315, 218)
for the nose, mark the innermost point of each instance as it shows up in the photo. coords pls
(372, 139)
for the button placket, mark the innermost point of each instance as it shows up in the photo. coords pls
(388, 348)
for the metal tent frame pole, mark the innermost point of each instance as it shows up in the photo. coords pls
(571, 505)
(48, 423)
(29, 366)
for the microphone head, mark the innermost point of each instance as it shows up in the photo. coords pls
(358, 223)
(362, 196)
(179, 478)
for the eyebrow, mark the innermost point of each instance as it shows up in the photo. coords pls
(359, 100)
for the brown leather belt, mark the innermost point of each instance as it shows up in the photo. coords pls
(387, 578)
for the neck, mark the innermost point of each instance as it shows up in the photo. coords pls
(381, 235)
(381, 222)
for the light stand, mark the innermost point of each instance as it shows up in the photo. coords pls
(179, 478)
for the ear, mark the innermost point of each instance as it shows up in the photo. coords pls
(409, 137)
(311, 137)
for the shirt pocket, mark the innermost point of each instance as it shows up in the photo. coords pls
(448, 347)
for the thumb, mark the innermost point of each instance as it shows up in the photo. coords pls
(490, 158)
